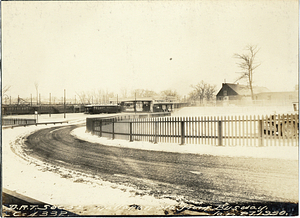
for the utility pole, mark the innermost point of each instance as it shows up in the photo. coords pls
(64, 103)
(49, 104)
(135, 102)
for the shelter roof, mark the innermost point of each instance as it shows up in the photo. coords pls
(98, 105)
(136, 99)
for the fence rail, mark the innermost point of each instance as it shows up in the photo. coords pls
(233, 130)
(17, 121)
(11, 123)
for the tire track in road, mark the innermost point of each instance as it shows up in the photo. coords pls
(198, 177)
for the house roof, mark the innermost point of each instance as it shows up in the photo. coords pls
(245, 90)
(153, 98)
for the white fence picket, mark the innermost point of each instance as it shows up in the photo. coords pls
(273, 130)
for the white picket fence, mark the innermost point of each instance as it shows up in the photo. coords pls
(274, 130)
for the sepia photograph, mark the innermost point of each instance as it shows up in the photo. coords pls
(149, 108)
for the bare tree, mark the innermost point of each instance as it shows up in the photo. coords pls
(143, 93)
(82, 97)
(149, 93)
(5, 89)
(124, 92)
(199, 91)
(166, 94)
(98, 96)
(138, 93)
(90, 97)
(36, 85)
(248, 65)
(202, 91)
(210, 92)
(192, 96)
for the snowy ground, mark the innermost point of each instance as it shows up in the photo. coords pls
(76, 192)
(234, 111)
(289, 152)
(88, 194)
(71, 117)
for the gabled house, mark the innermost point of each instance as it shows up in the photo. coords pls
(236, 93)
(231, 91)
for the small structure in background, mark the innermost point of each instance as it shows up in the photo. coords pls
(102, 109)
(277, 98)
(141, 104)
(148, 104)
(237, 94)
(22, 109)
(231, 91)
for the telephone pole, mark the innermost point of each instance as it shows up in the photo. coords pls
(64, 103)
(49, 104)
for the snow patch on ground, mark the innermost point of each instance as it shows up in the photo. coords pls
(77, 192)
(88, 194)
(233, 110)
(280, 152)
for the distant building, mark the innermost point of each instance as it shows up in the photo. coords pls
(231, 91)
(278, 98)
(148, 104)
(235, 94)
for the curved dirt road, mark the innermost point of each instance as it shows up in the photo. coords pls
(210, 179)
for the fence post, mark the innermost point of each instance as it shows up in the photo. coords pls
(260, 133)
(182, 133)
(156, 132)
(130, 131)
(113, 128)
(220, 133)
(100, 128)
(93, 127)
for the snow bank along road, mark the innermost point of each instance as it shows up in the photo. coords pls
(197, 177)
(74, 191)
(167, 175)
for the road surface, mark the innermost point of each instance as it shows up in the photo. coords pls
(200, 178)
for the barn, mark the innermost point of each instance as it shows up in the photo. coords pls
(240, 94)
(231, 91)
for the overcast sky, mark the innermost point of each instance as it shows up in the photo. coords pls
(157, 45)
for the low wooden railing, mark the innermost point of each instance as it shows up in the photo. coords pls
(235, 130)
(16, 122)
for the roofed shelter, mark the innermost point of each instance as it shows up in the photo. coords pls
(137, 104)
